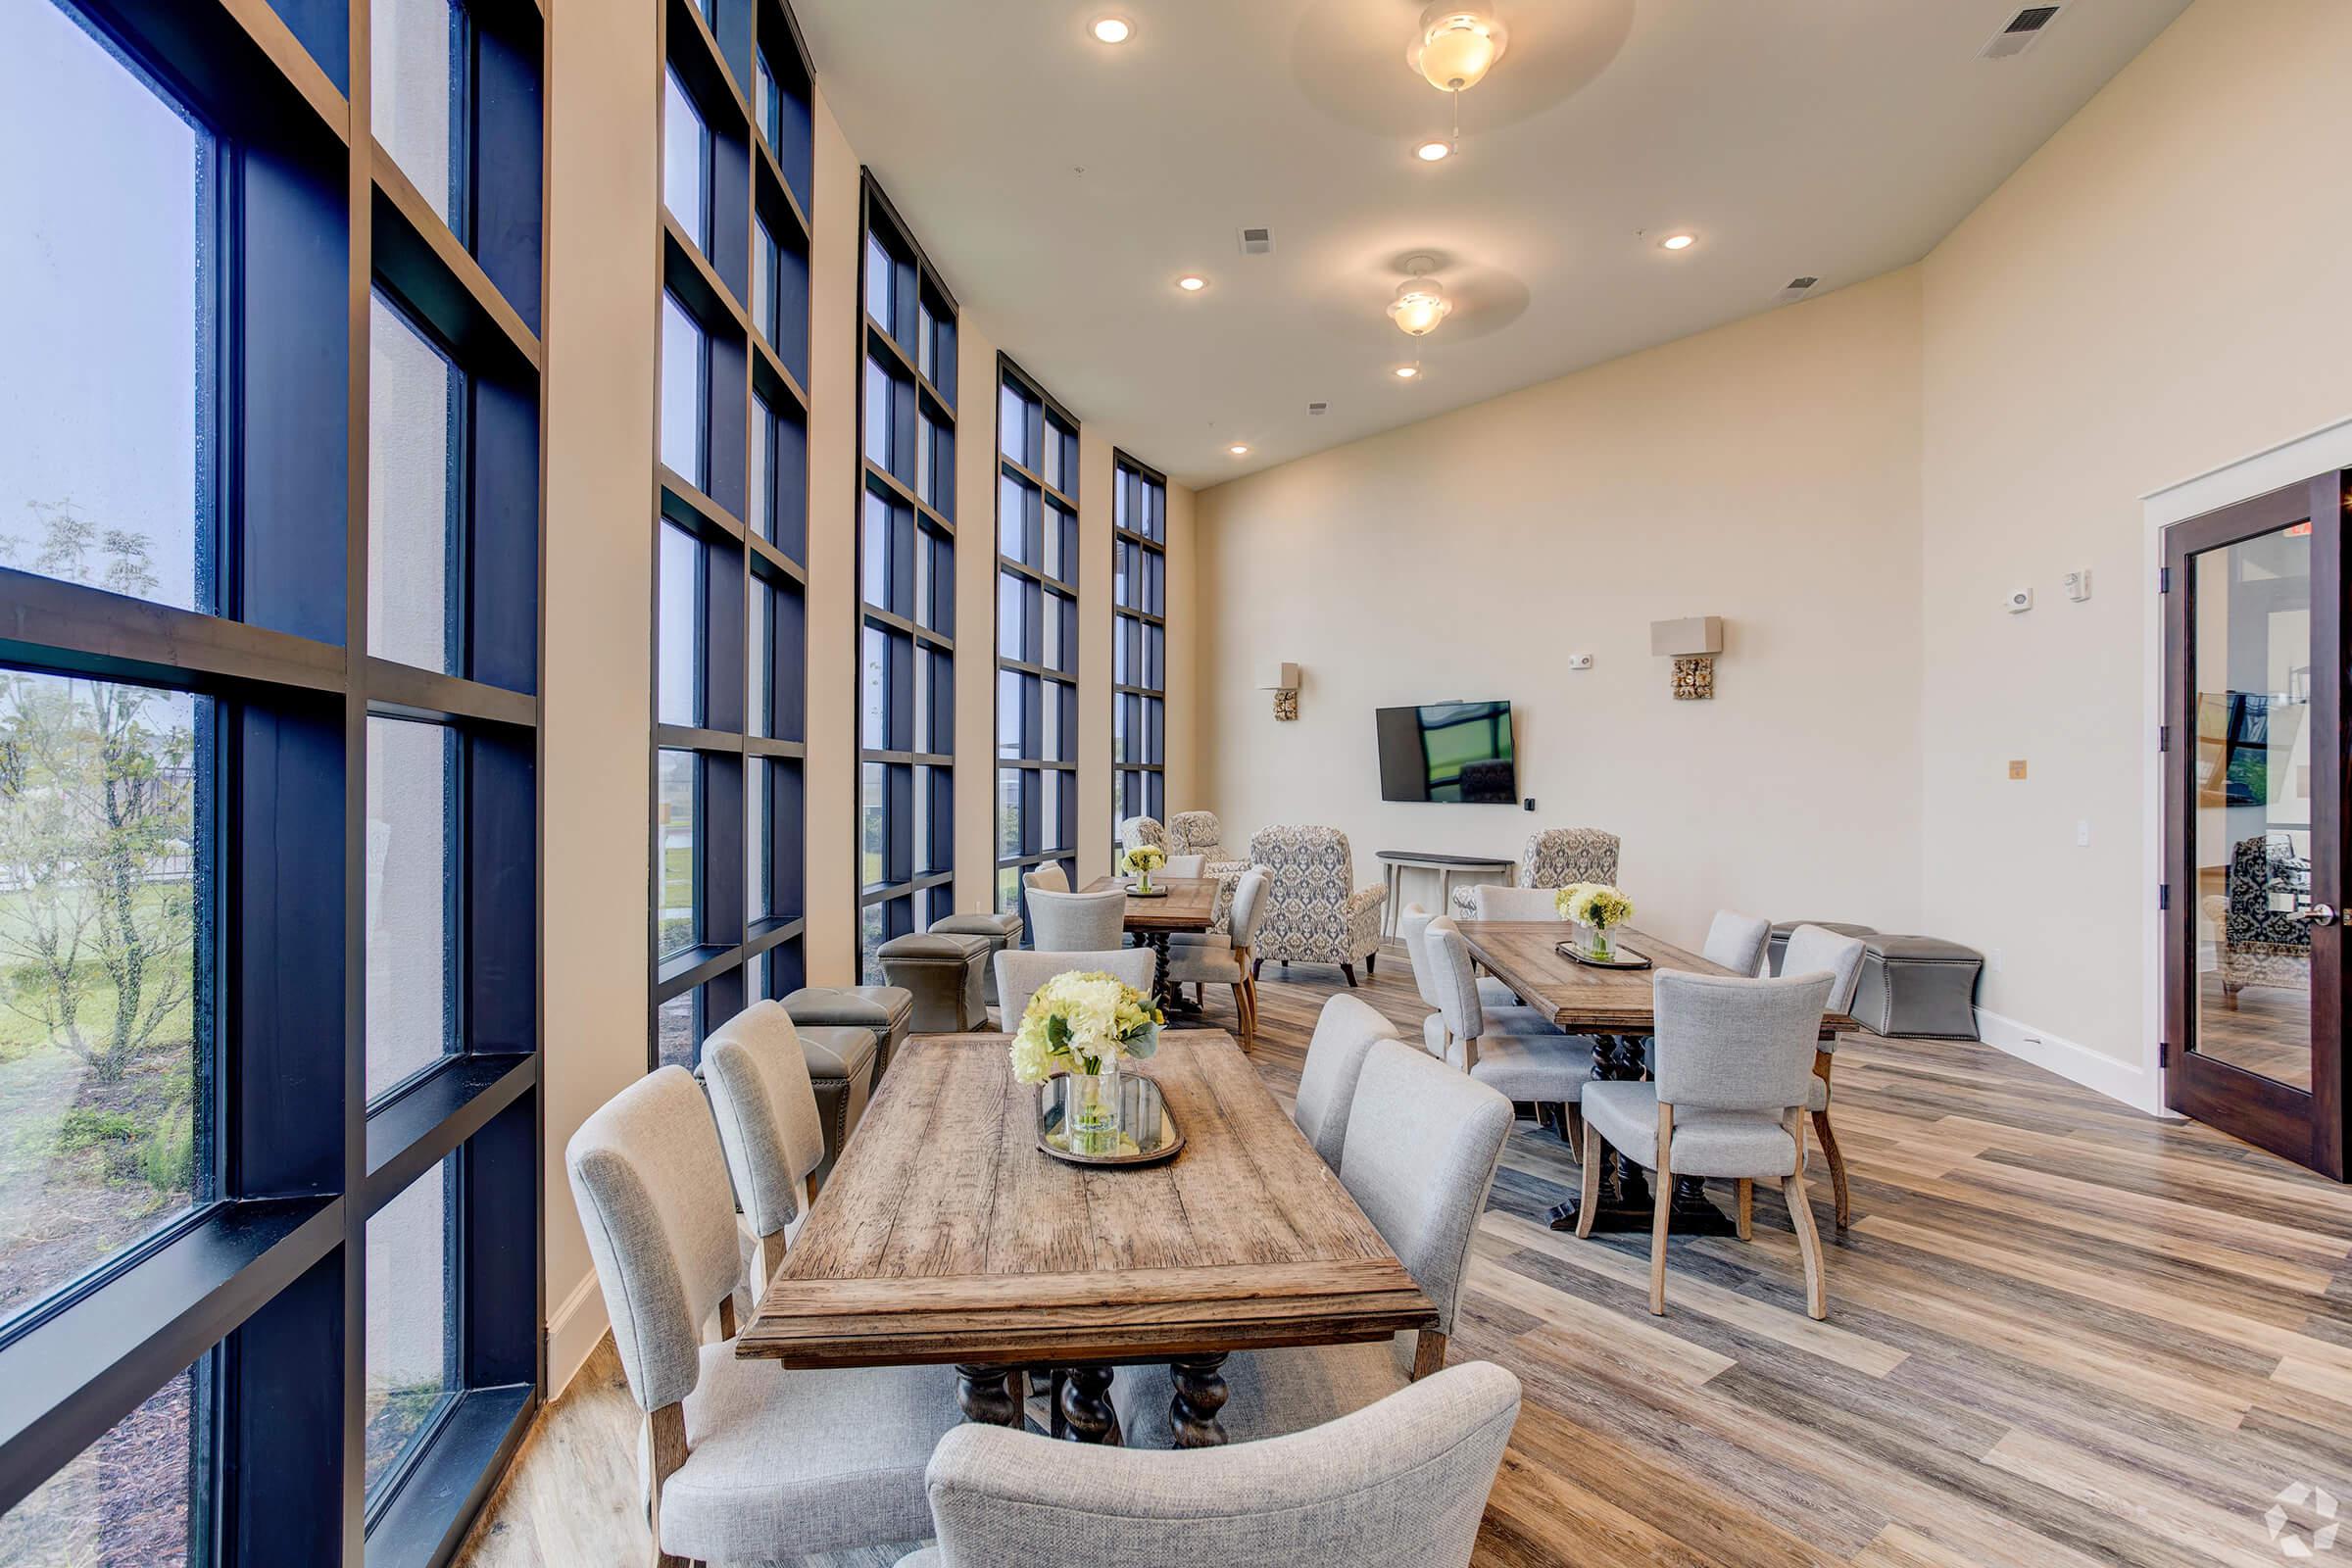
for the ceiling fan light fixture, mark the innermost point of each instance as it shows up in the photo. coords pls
(1419, 306)
(1455, 45)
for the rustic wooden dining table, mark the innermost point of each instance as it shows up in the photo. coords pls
(945, 1235)
(1183, 903)
(1617, 1007)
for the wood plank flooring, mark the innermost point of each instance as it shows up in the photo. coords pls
(2061, 1334)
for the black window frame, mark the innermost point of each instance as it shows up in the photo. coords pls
(1139, 787)
(1023, 770)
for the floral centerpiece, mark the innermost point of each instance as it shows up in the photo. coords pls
(1142, 861)
(1085, 1023)
(1596, 907)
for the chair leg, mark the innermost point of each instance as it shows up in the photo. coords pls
(1588, 1206)
(1371, 963)
(1348, 969)
(1572, 1123)
(1808, 1242)
(1428, 1354)
(665, 1445)
(1659, 1212)
(1837, 1158)
(1241, 1013)
(1255, 964)
(1747, 1209)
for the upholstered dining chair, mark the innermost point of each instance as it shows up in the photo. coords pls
(1490, 903)
(1515, 1051)
(746, 1462)
(1346, 1032)
(1046, 878)
(1737, 942)
(1735, 1056)
(1184, 866)
(1076, 922)
(769, 1126)
(1410, 924)
(1312, 916)
(1225, 960)
(1553, 857)
(1813, 949)
(1019, 974)
(1402, 1484)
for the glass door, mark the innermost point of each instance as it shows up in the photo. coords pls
(2254, 843)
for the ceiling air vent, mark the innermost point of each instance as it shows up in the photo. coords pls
(1318, 408)
(2024, 28)
(1797, 289)
(1258, 242)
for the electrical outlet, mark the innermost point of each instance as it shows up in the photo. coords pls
(1992, 961)
(2082, 833)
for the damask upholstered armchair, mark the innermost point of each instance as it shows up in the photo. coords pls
(1198, 833)
(1316, 913)
(1553, 858)
(1137, 831)
(2262, 942)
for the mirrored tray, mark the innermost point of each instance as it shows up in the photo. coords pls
(1147, 1131)
(1622, 957)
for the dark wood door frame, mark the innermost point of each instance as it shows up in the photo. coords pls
(2308, 1128)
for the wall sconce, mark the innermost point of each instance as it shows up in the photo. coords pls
(1282, 681)
(1692, 643)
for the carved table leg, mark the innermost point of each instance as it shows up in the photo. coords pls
(1200, 1394)
(985, 1395)
(1086, 1406)
(1624, 1198)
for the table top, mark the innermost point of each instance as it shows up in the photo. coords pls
(1191, 904)
(945, 1236)
(1419, 857)
(1581, 999)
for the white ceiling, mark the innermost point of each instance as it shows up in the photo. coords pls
(1063, 185)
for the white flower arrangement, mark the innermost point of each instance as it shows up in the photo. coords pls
(1597, 905)
(1145, 858)
(1083, 1021)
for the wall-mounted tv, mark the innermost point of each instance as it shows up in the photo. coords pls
(1457, 752)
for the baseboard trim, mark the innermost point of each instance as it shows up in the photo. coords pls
(2133, 1084)
(572, 1330)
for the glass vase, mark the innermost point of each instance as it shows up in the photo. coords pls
(1143, 881)
(1095, 1113)
(1599, 947)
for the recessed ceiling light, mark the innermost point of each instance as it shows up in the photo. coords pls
(1237, 450)
(1112, 29)
(1434, 152)
(1408, 372)
(1678, 242)
(1192, 282)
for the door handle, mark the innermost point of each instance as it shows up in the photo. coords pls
(2317, 915)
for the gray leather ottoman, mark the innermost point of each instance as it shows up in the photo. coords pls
(1918, 986)
(840, 1068)
(1778, 940)
(887, 1011)
(948, 975)
(1002, 931)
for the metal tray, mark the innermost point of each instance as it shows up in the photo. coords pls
(1141, 1110)
(1135, 892)
(1624, 958)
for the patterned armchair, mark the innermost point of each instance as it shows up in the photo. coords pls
(2262, 945)
(1314, 912)
(1553, 858)
(1135, 831)
(1198, 833)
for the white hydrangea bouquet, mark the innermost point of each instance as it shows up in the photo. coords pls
(1596, 907)
(1086, 1023)
(1142, 861)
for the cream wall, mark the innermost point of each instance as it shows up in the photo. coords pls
(1766, 473)
(2160, 290)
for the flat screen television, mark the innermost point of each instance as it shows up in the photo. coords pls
(1456, 751)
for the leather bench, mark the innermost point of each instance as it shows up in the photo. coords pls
(1922, 986)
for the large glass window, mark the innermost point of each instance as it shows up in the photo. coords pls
(1139, 641)
(411, 917)
(685, 393)
(416, 480)
(685, 161)
(132, 1500)
(416, 53)
(1037, 636)
(411, 1321)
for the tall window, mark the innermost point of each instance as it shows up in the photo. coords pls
(1139, 641)
(269, 884)
(1037, 634)
(905, 588)
(730, 521)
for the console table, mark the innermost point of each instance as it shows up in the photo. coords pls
(1448, 866)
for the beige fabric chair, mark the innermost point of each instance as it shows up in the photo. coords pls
(1419, 1157)
(1520, 1055)
(1737, 943)
(1046, 878)
(1554, 858)
(1019, 974)
(1401, 1485)
(746, 1462)
(1076, 922)
(766, 1105)
(1490, 903)
(1226, 961)
(1311, 914)
(1813, 947)
(1734, 1059)
(1344, 1035)
(1492, 994)
(1185, 867)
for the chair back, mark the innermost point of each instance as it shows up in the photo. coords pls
(1046, 878)
(1076, 922)
(1453, 978)
(1137, 831)
(1400, 1484)
(1195, 833)
(1422, 1144)
(1559, 855)
(1249, 907)
(1344, 1035)
(1490, 903)
(1736, 942)
(1184, 866)
(1727, 1043)
(1019, 974)
(1815, 948)
(765, 1106)
(651, 1184)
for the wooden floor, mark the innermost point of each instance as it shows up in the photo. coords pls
(2060, 1334)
